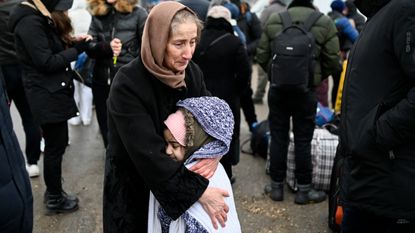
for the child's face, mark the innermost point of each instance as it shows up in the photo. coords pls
(173, 149)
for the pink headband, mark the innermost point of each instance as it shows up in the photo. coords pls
(176, 124)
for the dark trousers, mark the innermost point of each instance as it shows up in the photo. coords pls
(100, 93)
(359, 221)
(15, 91)
(56, 140)
(336, 82)
(302, 109)
(247, 106)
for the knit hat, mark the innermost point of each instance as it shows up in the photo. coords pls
(63, 5)
(338, 5)
(175, 122)
(219, 12)
(216, 119)
(233, 9)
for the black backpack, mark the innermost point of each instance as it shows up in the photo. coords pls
(293, 48)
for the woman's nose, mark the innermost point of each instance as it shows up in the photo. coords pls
(188, 52)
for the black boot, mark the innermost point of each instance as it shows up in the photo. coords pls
(275, 190)
(68, 196)
(61, 204)
(307, 195)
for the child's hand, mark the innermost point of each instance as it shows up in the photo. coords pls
(206, 167)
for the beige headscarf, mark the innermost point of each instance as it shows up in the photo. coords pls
(154, 43)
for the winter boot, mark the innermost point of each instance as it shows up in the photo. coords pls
(275, 190)
(307, 195)
(68, 196)
(61, 204)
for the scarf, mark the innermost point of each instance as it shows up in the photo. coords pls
(154, 43)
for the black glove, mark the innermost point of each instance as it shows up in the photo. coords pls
(81, 46)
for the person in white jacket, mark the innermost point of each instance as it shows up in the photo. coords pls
(81, 19)
(202, 127)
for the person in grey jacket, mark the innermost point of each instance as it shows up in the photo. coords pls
(377, 129)
(116, 27)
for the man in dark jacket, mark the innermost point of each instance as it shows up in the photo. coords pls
(16, 202)
(377, 131)
(300, 106)
(13, 80)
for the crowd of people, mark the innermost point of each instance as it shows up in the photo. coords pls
(170, 80)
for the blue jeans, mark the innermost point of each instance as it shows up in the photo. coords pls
(360, 221)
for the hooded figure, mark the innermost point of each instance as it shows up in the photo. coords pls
(204, 127)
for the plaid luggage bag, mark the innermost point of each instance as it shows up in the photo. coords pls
(323, 150)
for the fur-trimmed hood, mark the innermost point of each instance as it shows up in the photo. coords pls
(101, 7)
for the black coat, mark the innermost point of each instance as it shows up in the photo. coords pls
(47, 75)
(199, 6)
(378, 114)
(226, 69)
(128, 27)
(138, 104)
(16, 201)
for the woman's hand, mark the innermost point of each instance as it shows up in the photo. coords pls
(83, 37)
(116, 46)
(213, 202)
(205, 167)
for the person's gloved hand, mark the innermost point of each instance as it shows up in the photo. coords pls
(81, 46)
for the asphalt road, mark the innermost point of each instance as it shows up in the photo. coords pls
(83, 175)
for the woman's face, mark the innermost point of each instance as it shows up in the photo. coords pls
(180, 47)
(173, 149)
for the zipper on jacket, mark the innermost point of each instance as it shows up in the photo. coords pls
(109, 76)
(392, 155)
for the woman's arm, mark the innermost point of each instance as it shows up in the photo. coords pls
(37, 47)
(175, 187)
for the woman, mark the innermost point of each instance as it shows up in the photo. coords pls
(202, 127)
(116, 27)
(225, 65)
(44, 45)
(142, 95)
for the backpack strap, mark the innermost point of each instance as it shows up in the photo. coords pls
(214, 42)
(309, 22)
(286, 19)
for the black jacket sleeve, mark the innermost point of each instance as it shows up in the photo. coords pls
(38, 48)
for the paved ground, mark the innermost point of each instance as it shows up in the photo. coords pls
(83, 175)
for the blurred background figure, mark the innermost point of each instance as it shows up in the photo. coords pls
(81, 19)
(116, 28)
(12, 73)
(200, 7)
(347, 34)
(275, 6)
(226, 69)
(16, 212)
(46, 47)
